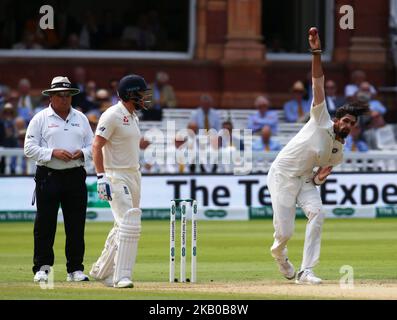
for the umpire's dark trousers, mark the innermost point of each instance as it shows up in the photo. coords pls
(65, 188)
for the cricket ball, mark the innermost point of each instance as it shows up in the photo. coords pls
(313, 31)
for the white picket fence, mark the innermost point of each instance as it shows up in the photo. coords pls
(377, 161)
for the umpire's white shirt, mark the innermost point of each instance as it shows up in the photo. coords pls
(121, 130)
(313, 146)
(48, 131)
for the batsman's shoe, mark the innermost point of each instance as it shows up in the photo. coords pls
(124, 283)
(307, 277)
(286, 268)
(77, 276)
(40, 276)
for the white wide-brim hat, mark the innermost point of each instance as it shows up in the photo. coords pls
(61, 84)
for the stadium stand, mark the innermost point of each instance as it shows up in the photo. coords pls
(374, 160)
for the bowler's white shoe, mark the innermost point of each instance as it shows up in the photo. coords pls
(286, 268)
(307, 277)
(77, 276)
(124, 283)
(40, 276)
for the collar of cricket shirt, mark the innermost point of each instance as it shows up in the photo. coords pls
(126, 113)
(331, 132)
(339, 144)
(51, 112)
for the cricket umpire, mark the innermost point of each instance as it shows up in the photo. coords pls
(116, 159)
(59, 138)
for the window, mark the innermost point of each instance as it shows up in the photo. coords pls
(285, 24)
(133, 28)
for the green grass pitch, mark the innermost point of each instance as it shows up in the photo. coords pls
(233, 261)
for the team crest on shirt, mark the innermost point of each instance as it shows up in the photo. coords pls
(126, 121)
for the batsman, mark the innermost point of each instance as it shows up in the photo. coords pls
(116, 159)
(304, 163)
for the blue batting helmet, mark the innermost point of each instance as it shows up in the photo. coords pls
(133, 87)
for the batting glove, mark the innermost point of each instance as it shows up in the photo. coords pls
(103, 187)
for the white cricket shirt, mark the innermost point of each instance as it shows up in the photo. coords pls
(313, 146)
(121, 130)
(48, 131)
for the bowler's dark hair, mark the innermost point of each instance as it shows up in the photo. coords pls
(355, 109)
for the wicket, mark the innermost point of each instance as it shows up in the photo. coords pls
(183, 205)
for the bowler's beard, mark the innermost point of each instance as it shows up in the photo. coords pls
(342, 133)
(339, 133)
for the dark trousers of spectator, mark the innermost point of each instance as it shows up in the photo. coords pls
(65, 188)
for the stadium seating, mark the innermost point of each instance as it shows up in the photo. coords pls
(239, 118)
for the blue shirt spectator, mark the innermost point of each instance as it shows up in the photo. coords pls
(377, 106)
(263, 117)
(206, 117)
(266, 142)
(25, 113)
(358, 145)
(291, 110)
(354, 141)
(26, 103)
(228, 139)
(271, 145)
(358, 77)
(332, 99)
(365, 95)
(297, 109)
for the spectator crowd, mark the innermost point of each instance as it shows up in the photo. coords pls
(18, 106)
(135, 28)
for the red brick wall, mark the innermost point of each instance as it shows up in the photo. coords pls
(220, 77)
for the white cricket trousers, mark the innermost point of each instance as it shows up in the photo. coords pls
(286, 192)
(126, 191)
(126, 194)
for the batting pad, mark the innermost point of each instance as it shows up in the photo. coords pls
(129, 233)
(104, 266)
